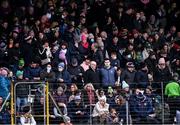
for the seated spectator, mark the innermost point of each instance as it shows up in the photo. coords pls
(60, 96)
(73, 91)
(4, 112)
(48, 74)
(120, 107)
(142, 108)
(60, 112)
(27, 117)
(100, 112)
(113, 117)
(39, 109)
(76, 111)
(63, 75)
(100, 94)
(33, 71)
(110, 95)
(89, 97)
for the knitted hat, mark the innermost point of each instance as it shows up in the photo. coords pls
(21, 62)
(77, 97)
(124, 85)
(62, 65)
(19, 73)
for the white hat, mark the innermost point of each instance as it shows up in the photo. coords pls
(124, 85)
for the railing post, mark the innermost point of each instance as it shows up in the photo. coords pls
(12, 103)
(163, 104)
(47, 103)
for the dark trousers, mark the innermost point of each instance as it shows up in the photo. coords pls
(173, 103)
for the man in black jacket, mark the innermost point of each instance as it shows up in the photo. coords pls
(92, 75)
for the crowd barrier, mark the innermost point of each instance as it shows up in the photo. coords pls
(40, 96)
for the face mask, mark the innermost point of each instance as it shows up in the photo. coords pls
(92, 40)
(48, 69)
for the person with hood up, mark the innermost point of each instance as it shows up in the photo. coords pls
(63, 75)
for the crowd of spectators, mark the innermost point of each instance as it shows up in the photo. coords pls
(99, 55)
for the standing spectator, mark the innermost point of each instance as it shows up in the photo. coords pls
(27, 50)
(107, 74)
(4, 83)
(92, 75)
(162, 73)
(172, 91)
(141, 76)
(45, 54)
(128, 75)
(85, 64)
(76, 72)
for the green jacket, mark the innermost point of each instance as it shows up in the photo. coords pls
(172, 89)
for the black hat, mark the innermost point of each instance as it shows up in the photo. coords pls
(26, 108)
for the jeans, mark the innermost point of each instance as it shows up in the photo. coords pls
(20, 102)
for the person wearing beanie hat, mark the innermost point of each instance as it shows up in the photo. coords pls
(124, 85)
(21, 62)
(63, 76)
(61, 65)
(19, 75)
(77, 110)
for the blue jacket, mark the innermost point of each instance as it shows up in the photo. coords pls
(65, 75)
(32, 72)
(107, 76)
(4, 86)
(142, 108)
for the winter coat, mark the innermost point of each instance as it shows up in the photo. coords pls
(141, 78)
(107, 76)
(93, 77)
(142, 107)
(64, 75)
(32, 72)
(4, 86)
